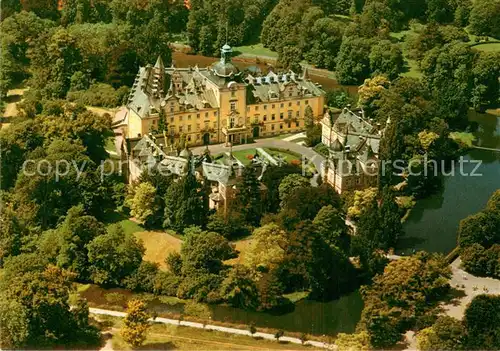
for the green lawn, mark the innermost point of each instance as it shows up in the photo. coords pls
(243, 156)
(487, 47)
(296, 296)
(412, 65)
(322, 149)
(128, 226)
(413, 70)
(463, 138)
(289, 156)
(172, 337)
(283, 136)
(110, 144)
(256, 49)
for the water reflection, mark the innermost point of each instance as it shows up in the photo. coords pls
(433, 223)
(312, 317)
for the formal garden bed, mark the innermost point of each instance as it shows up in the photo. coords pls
(287, 155)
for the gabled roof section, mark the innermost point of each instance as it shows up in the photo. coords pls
(268, 87)
(216, 172)
(175, 165)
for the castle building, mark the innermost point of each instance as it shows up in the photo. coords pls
(218, 104)
(353, 145)
(222, 175)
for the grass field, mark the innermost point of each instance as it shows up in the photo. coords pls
(169, 337)
(463, 138)
(158, 245)
(284, 136)
(287, 155)
(242, 246)
(413, 70)
(128, 226)
(488, 47)
(495, 112)
(256, 49)
(242, 156)
(110, 144)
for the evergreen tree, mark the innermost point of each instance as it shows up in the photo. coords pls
(185, 204)
(249, 196)
(380, 226)
(313, 130)
(390, 220)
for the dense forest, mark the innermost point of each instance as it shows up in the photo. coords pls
(418, 73)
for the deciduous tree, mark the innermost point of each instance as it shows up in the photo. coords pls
(142, 202)
(114, 256)
(136, 323)
(239, 288)
(485, 18)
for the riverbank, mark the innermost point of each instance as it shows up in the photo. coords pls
(319, 320)
(217, 328)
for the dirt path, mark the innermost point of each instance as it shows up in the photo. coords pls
(108, 346)
(228, 330)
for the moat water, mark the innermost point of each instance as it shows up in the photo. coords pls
(433, 223)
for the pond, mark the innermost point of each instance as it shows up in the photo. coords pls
(312, 317)
(318, 318)
(433, 223)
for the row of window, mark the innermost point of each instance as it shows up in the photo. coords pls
(280, 126)
(273, 116)
(189, 126)
(198, 115)
(233, 108)
(282, 105)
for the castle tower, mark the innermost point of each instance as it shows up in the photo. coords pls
(226, 52)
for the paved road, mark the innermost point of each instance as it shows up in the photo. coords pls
(218, 328)
(311, 155)
(471, 286)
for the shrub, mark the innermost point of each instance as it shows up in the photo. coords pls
(99, 94)
(198, 286)
(166, 283)
(143, 278)
(115, 298)
(197, 310)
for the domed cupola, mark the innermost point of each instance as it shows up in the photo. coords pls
(186, 153)
(224, 68)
